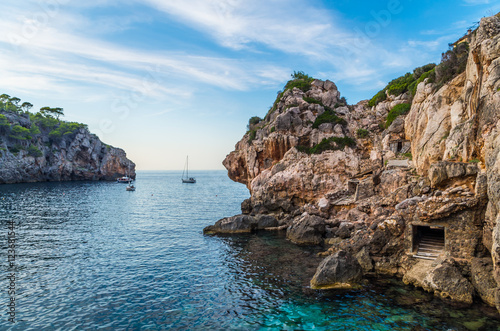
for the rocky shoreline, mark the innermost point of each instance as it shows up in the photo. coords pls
(406, 184)
(38, 148)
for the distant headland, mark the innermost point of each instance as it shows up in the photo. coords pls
(37, 147)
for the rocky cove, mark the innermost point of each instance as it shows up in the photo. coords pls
(40, 147)
(404, 185)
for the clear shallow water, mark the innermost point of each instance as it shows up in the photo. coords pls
(92, 256)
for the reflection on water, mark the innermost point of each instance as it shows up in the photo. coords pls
(94, 256)
(283, 270)
(271, 261)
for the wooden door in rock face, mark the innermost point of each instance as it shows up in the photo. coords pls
(428, 242)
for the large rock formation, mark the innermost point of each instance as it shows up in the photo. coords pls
(307, 230)
(338, 271)
(47, 154)
(425, 185)
(442, 277)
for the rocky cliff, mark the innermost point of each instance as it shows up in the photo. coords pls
(36, 148)
(407, 184)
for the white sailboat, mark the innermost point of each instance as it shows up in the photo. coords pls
(187, 179)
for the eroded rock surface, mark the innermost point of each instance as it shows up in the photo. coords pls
(75, 155)
(234, 224)
(443, 278)
(307, 230)
(433, 174)
(338, 271)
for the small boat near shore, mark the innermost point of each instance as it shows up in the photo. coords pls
(124, 179)
(130, 187)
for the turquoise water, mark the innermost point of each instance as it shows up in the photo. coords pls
(92, 256)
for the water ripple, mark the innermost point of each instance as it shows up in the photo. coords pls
(93, 256)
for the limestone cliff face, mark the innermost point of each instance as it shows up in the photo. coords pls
(76, 155)
(460, 122)
(282, 178)
(372, 198)
(454, 122)
(285, 127)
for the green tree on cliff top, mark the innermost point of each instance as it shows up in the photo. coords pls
(48, 111)
(26, 106)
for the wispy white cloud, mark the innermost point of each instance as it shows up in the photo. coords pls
(295, 28)
(60, 55)
(71, 46)
(475, 2)
(428, 45)
(81, 52)
(290, 26)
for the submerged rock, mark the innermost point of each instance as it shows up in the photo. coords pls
(338, 271)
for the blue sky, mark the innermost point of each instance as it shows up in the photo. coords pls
(166, 78)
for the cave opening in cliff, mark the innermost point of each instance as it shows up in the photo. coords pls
(428, 241)
(400, 146)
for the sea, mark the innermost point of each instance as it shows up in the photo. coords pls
(93, 256)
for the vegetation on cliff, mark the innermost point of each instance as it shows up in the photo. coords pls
(301, 92)
(329, 116)
(329, 144)
(22, 132)
(40, 146)
(397, 110)
(403, 84)
(362, 133)
(369, 202)
(299, 80)
(452, 63)
(253, 121)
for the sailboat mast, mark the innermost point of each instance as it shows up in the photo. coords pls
(187, 179)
